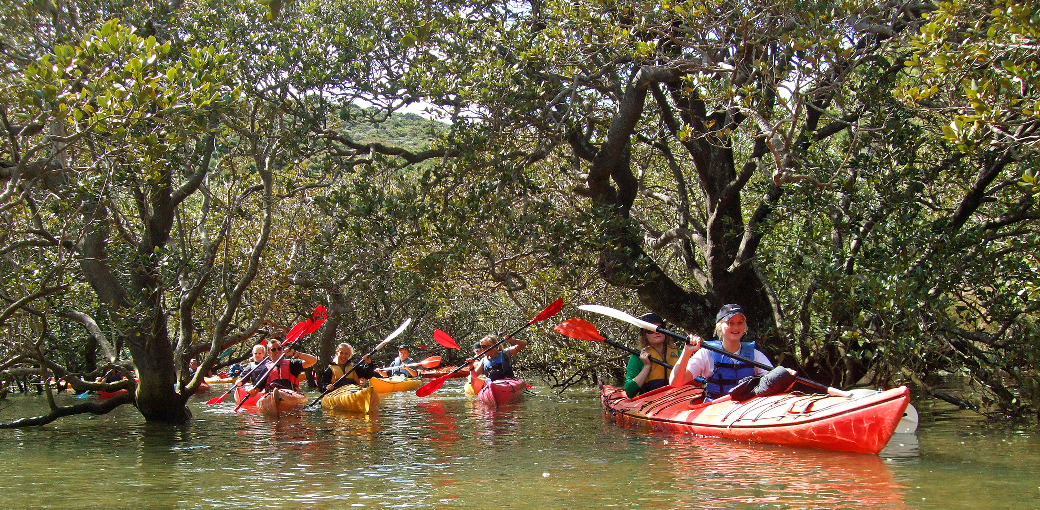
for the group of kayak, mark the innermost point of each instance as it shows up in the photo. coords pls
(273, 387)
(722, 388)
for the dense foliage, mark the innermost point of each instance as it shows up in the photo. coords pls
(183, 177)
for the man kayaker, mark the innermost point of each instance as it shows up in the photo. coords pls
(496, 363)
(332, 377)
(722, 372)
(404, 357)
(286, 374)
(641, 374)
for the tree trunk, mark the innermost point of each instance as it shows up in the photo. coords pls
(157, 397)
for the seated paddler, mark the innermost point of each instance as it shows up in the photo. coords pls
(643, 375)
(722, 372)
(356, 373)
(286, 372)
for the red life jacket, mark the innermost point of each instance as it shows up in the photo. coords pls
(282, 371)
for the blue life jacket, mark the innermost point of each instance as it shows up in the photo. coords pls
(498, 367)
(728, 371)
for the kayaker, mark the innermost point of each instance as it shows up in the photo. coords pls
(496, 362)
(249, 375)
(259, 357)
(286, 374)
(332, 377)
(722, 372)
(404, 357)
(641, 375)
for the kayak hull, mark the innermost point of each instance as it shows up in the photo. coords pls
(434, 373)
(393, 384)
(351, 398)
(501, 392)
(280, 401)
(105, 395)
(863, 424)
(243, 394)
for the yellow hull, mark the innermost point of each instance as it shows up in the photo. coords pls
(393, 384)
(351, 398)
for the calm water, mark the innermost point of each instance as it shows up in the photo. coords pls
(446, 451)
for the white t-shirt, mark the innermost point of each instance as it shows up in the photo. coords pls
(702, 364)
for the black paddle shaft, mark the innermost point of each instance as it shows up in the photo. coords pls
(738, 357)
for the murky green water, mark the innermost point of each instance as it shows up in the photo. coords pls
(446, 451)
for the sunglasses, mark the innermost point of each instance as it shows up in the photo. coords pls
(275, 349)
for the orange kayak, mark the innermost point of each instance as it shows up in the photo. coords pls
(434, 373)
(860, 424)
(280, 401)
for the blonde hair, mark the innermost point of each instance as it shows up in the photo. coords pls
(718, 331)
(492, 338)
(644, 339)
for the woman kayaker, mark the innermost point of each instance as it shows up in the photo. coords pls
(404, 357)
(331, 377)
(722, 372)
(496, 363)
(641, 375)
(286, 374)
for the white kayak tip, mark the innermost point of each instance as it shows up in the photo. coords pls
(908, 423)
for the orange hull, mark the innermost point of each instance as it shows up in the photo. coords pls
(434, 373)
(280, 401)
(863, 424)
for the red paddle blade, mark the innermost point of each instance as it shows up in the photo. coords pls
(308, 326)
(430, 362)
(549, 311)
(580, 329)
(217, 400)
(444, 339)
(432, 386)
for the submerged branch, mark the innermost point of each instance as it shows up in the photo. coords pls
(97, 408)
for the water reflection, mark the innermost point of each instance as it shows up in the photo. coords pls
(447, 451)
(766, 475)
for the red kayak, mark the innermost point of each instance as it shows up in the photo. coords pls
(105, 395)
(242, 393)
(860, 424)
(501, 392)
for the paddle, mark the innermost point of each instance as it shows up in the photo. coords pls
(444, 339)
(584, 330)
(430, 362)
(434, 385)
(301, 328)
(400, 329)
(618, 314)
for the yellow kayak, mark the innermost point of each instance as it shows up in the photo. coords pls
(396, 383)
(351, 398)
